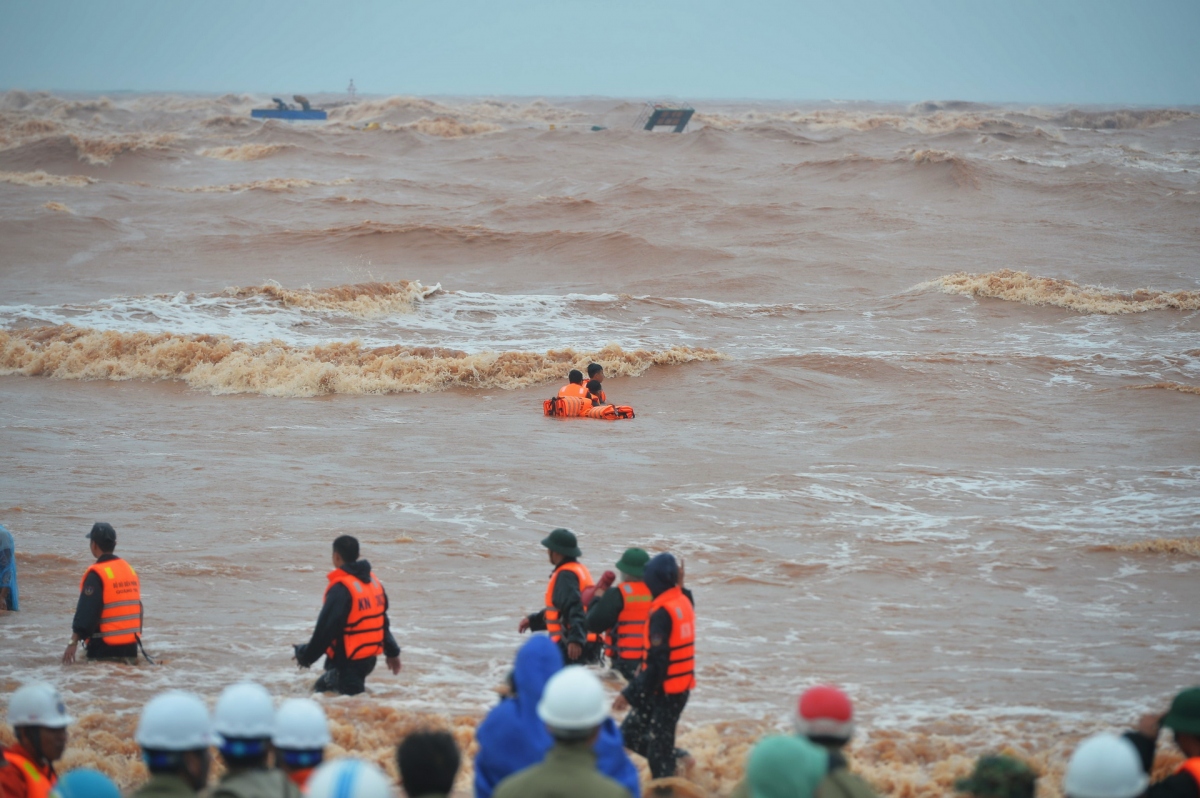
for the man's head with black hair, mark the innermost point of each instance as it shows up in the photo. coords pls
(428, 762)
(346, 547)
(595, 372)
(594, 386)
(575, 377)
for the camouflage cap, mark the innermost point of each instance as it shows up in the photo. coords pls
(998, 776)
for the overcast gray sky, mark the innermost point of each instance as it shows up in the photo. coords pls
(1079, 51)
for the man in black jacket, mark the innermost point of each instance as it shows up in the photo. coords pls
(88, 609)
(346, 670)
(649, 729)
(564, 618)
(1184, 720)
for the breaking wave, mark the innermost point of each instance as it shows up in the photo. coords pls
(1167, 385)
(245, 152)
(448, 127)
(103, 151)
(57, 206)
(1186, 546)
(222, 365)
(276, 185)
(363, 300)
(1023, 287)
(40, 178)
(964, 174)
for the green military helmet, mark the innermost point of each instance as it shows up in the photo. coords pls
(998, 776)
(562, 541)
(1185, 712)
(633, 562)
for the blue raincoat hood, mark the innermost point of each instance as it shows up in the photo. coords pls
(661, 574)
(512, 737)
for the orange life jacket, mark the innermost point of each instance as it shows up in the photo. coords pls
(681, 670)
(300, 777)
(553, 624)
(575, 406)
(628, 640)
(121, 614)
(1192, 768)
(573, 389)
(38, 784)
(363, 635)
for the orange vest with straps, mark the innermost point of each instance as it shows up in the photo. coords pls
(363, 635)
(121, 615)
(553, 622)
(573, 389)
(1191, 767)
(37, 784)
(681, 670)
(628, 640)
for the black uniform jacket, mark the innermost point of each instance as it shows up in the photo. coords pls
(332, 621)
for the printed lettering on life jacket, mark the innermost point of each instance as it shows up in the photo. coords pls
(121, 610)
(681, 668)
(363, 636)
(554, 625)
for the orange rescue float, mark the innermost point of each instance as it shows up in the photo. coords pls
(578, 407)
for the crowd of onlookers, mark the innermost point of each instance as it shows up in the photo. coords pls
(550, 737)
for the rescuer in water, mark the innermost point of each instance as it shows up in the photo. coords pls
(595, 373)
(108, 615)
(621, 612)
(352, 629)
(661, 689)
(574, 386)
(564, 617)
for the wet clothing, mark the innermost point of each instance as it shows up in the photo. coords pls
(23, 777)
(8, 572)
(165, 785)
(573, 389)
(840, 782)
(568, 769)
(649, 730)
(611, 613)
(87, 617)
(1181, 784)
(567, 598)
(512, 737)
(255, 784)
(342, 674)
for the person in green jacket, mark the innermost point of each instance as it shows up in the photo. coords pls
(573, 707)
(175, 733)
(825, 717)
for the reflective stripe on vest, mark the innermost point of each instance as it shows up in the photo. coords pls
(363, 636)
(628, 640)
(36, 784)
(121, 614)
(553, 624)
(681, 668)
(1192, 768)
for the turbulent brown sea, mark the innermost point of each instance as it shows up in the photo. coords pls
(881, 359)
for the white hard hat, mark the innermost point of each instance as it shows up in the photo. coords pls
(300, 725)
(573, 700)
(245, 711)
(1105, 766)
(38, 704)
(348, 778)
(175, 721)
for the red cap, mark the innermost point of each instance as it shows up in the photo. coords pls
(825, 711)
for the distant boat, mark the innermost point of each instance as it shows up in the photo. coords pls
(284, 111)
